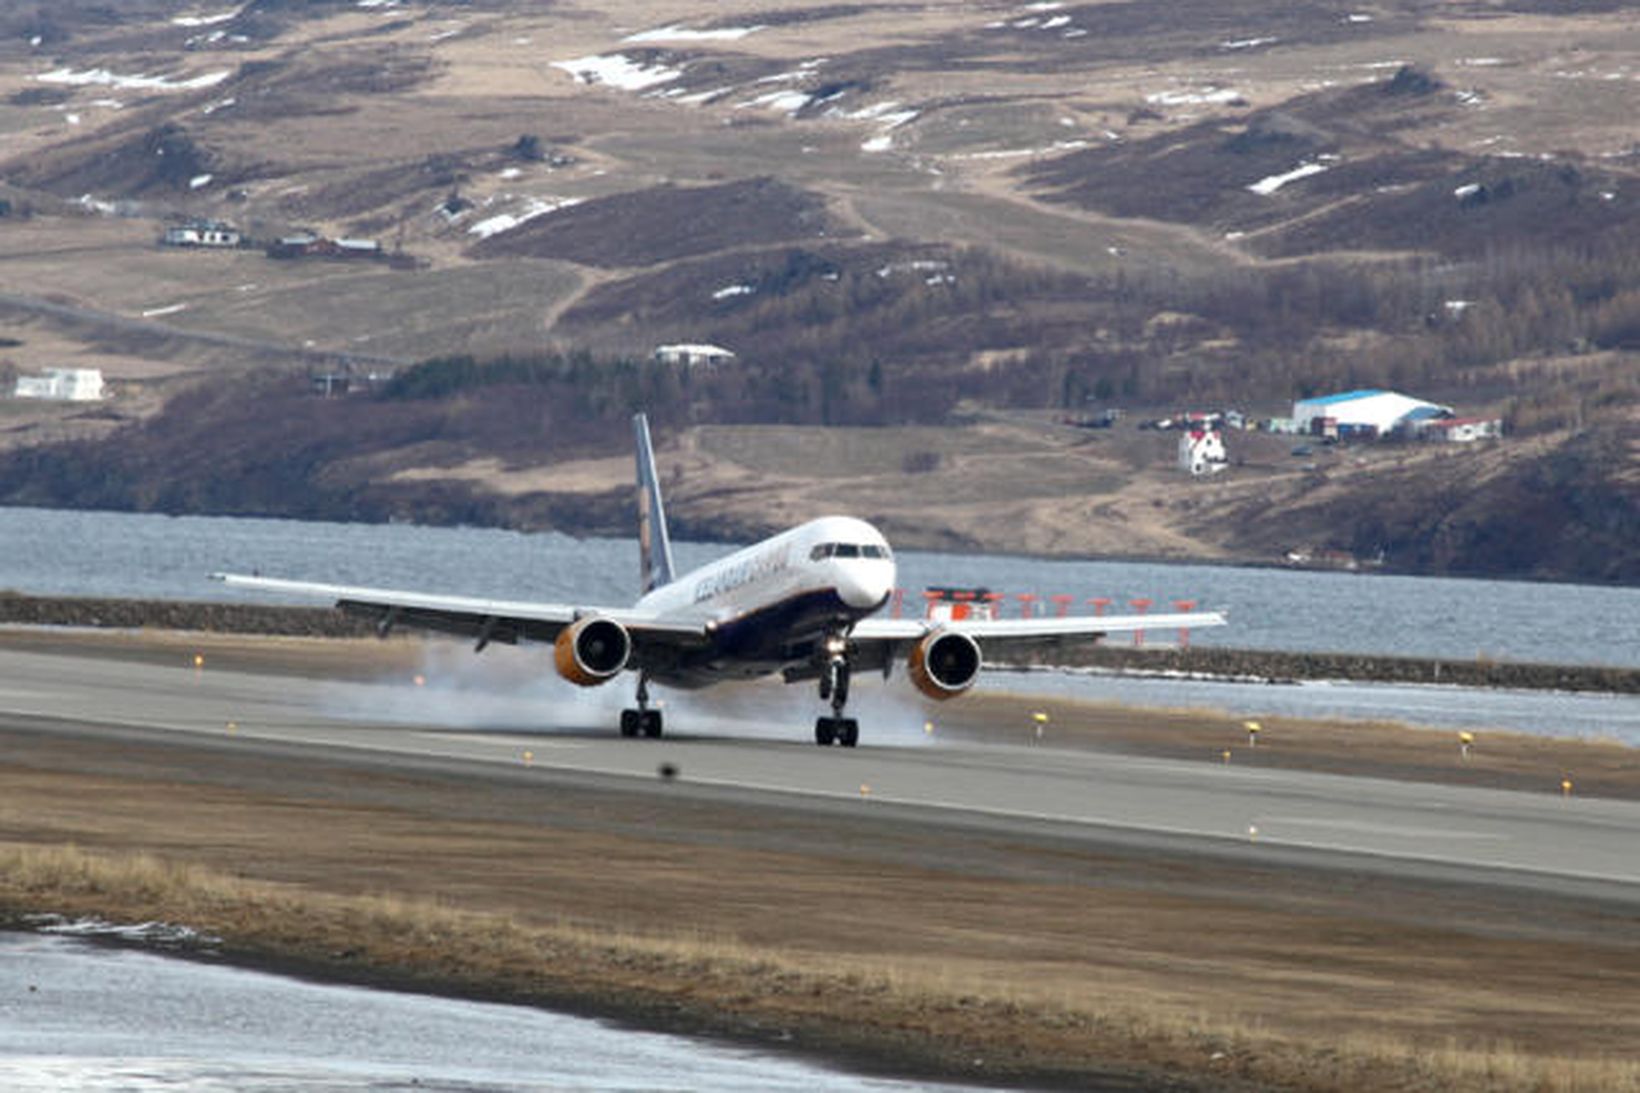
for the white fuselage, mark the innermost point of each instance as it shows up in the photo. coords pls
(765, 606)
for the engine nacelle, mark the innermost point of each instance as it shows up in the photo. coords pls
(591, 651)
(944, 664)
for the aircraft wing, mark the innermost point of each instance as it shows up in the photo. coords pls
(880, 636)
(506, 621)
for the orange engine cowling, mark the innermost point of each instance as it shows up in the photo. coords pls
(944, 664)
(591, 651)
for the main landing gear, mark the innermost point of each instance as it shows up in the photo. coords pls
(836, 729)
(641, 721)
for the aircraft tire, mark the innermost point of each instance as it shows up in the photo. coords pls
(825, 731)
(651, 723)
(629, 723)
(848, 732)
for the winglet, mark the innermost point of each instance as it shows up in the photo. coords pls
(655, 547)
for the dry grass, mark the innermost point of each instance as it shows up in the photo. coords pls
(939, 1014)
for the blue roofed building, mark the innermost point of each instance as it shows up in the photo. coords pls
(1368, 411)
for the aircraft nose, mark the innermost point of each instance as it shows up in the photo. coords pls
(866, 584)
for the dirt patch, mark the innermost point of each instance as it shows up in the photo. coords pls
(665, 223)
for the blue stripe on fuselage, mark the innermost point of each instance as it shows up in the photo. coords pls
(762, 641)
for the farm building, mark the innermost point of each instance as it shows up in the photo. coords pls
(689, 355)
(201, 233)
(308, 244)
(63, 385)
(1461, 430)
(1368, 412)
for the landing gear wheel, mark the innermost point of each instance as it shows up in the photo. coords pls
(836, 730)
(642, 721)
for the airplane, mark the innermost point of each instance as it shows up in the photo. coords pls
(800, 604)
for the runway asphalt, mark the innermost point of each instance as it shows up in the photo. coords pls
(1361, 824)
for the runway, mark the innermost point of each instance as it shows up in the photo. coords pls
(1415, 830)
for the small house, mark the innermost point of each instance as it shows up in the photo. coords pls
(1462, 430)
(299, 245)
(1201, 452)
(202, 233)
(690, 355)
(358, 248)
(63, 385)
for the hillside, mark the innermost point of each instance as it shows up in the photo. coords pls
(943, 231)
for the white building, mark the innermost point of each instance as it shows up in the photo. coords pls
(689, 355)
(63, 385)
(1462, 430)
(1379, 411)
(202, 233)
(1201, 452)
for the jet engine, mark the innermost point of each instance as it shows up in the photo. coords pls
(944, 664)
(591, 651)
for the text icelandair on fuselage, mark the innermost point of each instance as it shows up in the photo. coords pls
(743, 573)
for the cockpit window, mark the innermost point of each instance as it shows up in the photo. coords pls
(848, 550)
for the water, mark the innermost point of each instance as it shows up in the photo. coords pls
(84, 1016)
(1611, 717)
(136, 555)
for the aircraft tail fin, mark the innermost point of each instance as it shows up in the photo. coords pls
(653, 543)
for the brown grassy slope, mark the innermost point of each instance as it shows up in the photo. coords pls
(1378, 192)
(643, 228)
(359, 122)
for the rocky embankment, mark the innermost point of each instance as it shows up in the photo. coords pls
(220, 618)
(1256, 664)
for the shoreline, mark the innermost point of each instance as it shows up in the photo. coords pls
(854, 1051)
(101, 613)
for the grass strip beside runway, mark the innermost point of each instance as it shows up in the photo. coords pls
(903, 1015)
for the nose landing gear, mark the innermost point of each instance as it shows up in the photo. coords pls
(834, 680)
